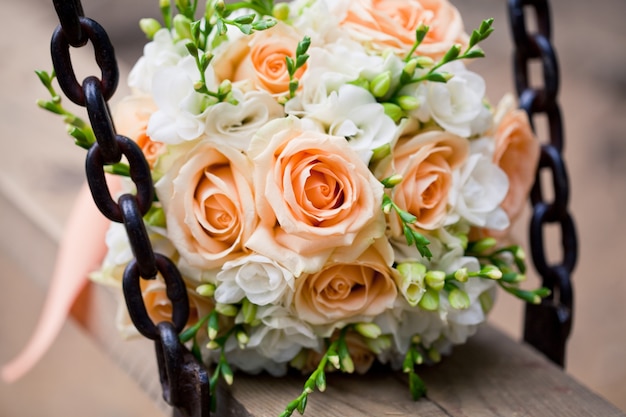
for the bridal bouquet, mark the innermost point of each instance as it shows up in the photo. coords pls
(331, 180)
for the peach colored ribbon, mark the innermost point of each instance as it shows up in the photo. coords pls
(81, 251)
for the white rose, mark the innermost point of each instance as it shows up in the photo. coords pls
(260, 279)
(161, 52)
(234, 125)
(479, 187)
(457, 106)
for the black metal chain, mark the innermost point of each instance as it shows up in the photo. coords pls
(184, 379)
(548, 325)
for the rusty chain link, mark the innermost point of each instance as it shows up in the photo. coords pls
(548, 325)
(184, 379)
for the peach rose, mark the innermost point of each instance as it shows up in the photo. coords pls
(391, 24)
(131, 120)
(346, 292)
(517, 153)
(208, 201)
(259, 59)
(425, 163)
(314, 195)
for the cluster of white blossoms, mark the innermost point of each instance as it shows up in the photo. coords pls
(332, 176)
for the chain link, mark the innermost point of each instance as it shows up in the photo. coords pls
(548, 325)
(184, 379)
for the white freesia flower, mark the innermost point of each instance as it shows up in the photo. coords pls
(461, 324)
(478, 189)
(352, 112)
(182, 110)
(262, 280)
(329, 68)
(457, 105)
(161, 52)
(234, 125)
(274, 342)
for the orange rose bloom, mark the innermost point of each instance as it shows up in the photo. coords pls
(391, 24)
(260, 60)
(426, 162)
(517, 154)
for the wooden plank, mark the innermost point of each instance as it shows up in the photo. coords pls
(492, 375)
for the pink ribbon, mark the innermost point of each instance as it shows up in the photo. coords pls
(81, 251)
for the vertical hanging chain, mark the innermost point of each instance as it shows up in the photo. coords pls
(548, 325)
(184, 380)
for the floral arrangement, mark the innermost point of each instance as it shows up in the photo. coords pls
(331, 180)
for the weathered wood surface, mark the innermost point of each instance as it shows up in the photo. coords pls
(490, 376)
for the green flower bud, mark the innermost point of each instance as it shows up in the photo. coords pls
(380, 153)
(333, 358)
(408, 103)
(227, 310)
(380, 85)
(320, 381)
(435, 280)
(369, 330)
(281, 11)
(249, 311)
(409, 68)
(347, 365)
(213, 327)
(361, 82)
(434, 355)
(225, 87)
(212, 345)
(430, 300)
(206, 290)
(425, 62)
(461, 275)
(182, 26)
(242, 338)
(149, 26)
(392, 181)
(491, 272)
(379, 345)
(483, 245)
(394, 111)
(458, 299)
(227, 373)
